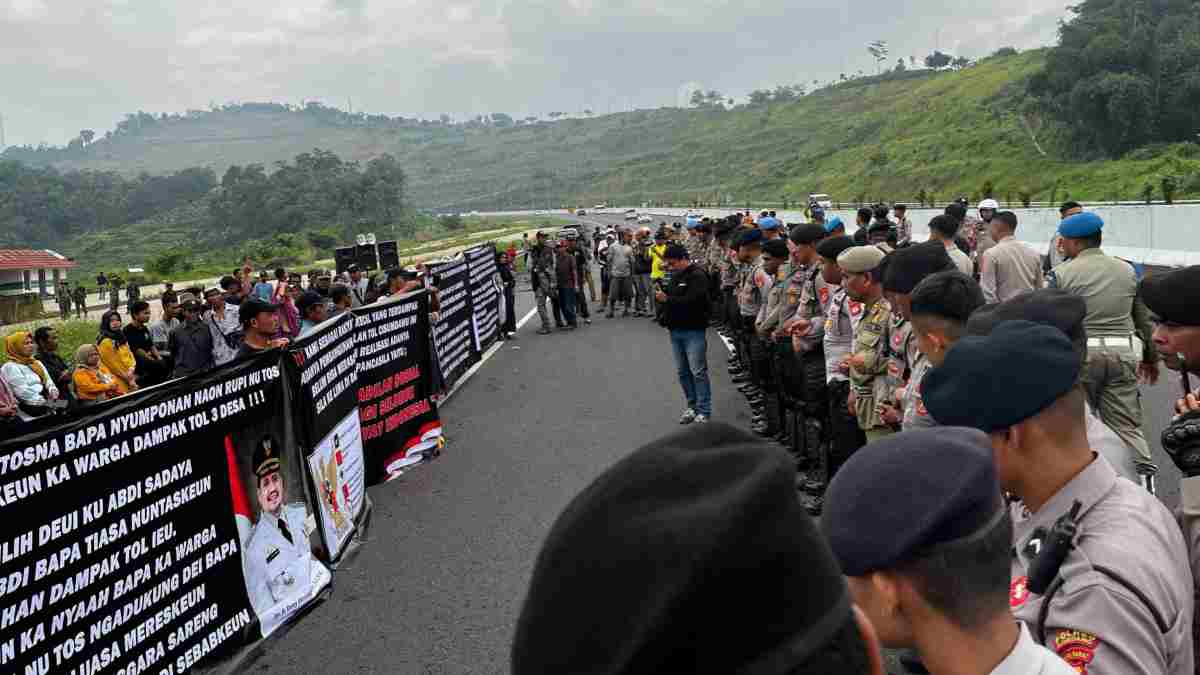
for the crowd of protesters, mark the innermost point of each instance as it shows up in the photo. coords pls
(198, 329)
(962, 416)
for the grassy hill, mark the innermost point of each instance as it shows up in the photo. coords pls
(945, 133)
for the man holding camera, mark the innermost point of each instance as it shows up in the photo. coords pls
(685, 314)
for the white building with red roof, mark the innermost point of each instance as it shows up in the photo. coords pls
(27, 276)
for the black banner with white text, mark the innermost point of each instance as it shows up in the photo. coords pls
(453, 335)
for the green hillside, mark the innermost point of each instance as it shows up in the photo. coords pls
(945, 133)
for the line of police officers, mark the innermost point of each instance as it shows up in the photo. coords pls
(826, 352)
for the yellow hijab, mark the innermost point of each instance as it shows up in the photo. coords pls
(13, 343)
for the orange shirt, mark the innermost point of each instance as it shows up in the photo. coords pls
(93, 385)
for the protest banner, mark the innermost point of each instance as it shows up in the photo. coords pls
(453, 336)
(323, 375)
(398, 416)
(485, 295)
(130, 544)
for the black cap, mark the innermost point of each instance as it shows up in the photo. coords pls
(1174, 296)
(809, 233)
(936, 487)
(307, 300)
(832, 247)
(993, 382)
(693, 554)
(266, 457)
(676, 252)
(908, 266)
(251, 307)
(776, 248)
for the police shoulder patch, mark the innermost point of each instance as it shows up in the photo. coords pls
(1076, 647)
(1018, 592)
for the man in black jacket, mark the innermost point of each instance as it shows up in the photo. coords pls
(685, 313)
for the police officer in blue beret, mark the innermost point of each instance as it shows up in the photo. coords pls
(1120, 348)
(1099, 567)
(931, 568)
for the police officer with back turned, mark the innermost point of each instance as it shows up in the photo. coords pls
(1120, 349)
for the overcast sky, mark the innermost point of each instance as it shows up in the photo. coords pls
(66, 65)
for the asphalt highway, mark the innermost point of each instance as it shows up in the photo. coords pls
(439, 584)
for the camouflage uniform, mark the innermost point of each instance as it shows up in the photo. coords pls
(543, 277)
(870, 382)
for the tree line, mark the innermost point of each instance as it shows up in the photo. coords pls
(1126, 73)
(42, 206)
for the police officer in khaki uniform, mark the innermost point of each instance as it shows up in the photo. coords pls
(867, 363)
(775, 258)
(1099, 567)
(278, 557)
(1120, 348)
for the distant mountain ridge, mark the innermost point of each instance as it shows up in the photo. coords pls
(922, 135)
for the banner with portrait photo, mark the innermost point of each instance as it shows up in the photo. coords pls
(453, 335)
(485, 295)
(399, 418)
(322, 372)
(129, 534)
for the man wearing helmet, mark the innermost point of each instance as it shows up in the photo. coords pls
(983, 231)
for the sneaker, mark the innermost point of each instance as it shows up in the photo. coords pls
(701, 419)
(688, 416)
(587, 321)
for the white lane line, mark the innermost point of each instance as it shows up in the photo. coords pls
(484, 359)
(525, 319)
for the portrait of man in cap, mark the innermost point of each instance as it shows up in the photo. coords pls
(278, 560)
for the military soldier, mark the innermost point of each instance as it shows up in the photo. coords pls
(867, 362)
(80, 298)
(278, 557)
(1120, 345)
(543, 278)
(63, 295)
(1099, 567)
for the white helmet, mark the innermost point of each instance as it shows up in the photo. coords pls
(989, 204)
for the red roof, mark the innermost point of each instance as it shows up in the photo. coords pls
(26, 259)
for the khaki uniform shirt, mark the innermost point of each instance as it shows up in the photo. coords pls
(753, 284)
(715, 257)
(870, 382)
(696, 247)
(915, 414)
(1009, 269)
(841, 322)
(902, 353)
(1126, 601)
(812, 297)
(1109, 287)
(769, 314)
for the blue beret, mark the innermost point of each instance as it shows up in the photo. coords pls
(768, 223)
(692, 222)
(1081, 225)
(833, 224)
(993, 382)
(897, 499)
(750, 237)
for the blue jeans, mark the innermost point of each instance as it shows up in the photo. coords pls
(566, 301)
(691, 358)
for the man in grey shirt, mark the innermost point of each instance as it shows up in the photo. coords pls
(1009, 268)
(620, 271)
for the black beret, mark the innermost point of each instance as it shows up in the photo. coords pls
(994, 382)
(691, 555)
(879, 225)
(956, 210)
(899, 498)
(833, 246)
(949, 295)
(776, 248)
(1174, 296)
(908, 266)
(1047, 306)
(749, 237)
(676, 252)
(809, 233)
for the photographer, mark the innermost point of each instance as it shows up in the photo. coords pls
(685, 314)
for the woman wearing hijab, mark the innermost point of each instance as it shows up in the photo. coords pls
(26, 376)
(116, 359)
(91, 383)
